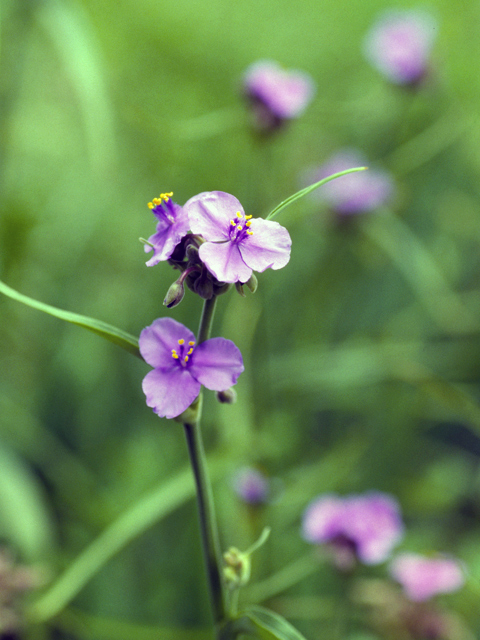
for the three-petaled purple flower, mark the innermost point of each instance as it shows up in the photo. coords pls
(276, 94)
(171, 227)
(422, 577)
(356, 527)
(353, 193)
(235, 244)
(399, 45)
(181, 366)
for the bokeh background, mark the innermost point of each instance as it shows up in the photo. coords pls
(362, 355)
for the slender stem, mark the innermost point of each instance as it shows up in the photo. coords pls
(206, 320)
(206, 508)
(208, 524)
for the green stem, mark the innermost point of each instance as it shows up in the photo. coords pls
(208, 524)
(206, 508)
(206, 320)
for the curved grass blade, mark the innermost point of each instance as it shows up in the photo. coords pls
(312, 187)
(107, 331)
(268, 625)
(136, 519)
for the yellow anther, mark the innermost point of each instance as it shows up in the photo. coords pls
(233, 223)
(247, 224)
(239, 227)
(247, 217)
(239, 215)
(191, 343)
(186, 358)
(174, 354)
(250, 233)
(190, 351)
(150, 205)
(166, 196)
(181, 341)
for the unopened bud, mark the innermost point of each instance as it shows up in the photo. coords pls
(174, 295)
(229, 396)
(238, 567)
(203, 286)
(252, 283)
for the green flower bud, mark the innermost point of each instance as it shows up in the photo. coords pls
(174, 295)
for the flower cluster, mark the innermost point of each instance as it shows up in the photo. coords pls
(224, 244)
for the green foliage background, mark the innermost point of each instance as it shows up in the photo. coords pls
(362, 356)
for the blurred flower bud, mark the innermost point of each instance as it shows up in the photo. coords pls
(422, 577)
(229, 396)
(251, 486)
(237, 571)
(174, 295)
(203, 285)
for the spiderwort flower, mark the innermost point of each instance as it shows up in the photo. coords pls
(181, 366)
(353, 193)
(422, 577)
(276, 94)
(399, 45)
(172, 226)
(235, 243)
(357, 527)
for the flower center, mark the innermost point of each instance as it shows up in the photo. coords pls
(162, 207)
(185, 350)
(239, 227)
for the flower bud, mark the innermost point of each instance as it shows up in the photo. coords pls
(237, 571)
(229, 396)
(252, 283)
(174, 295)
(203, 285)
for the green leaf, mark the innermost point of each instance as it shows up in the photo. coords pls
(268, 625)
(107, 331)
(312, 187)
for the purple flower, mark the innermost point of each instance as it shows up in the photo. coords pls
(356, 192)
(180, 367)
(235, 243)
(399, 45)
(364, 527)
(251, 485)
(422, 577)
(276, 94)
(171, 227)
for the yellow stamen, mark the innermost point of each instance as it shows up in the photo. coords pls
(239, 215)
(247, 217)
(191, 343)
(181, 341)
(239, 227)
(186, 358)
(190, 351)
(156, 201)
(250, 233)
(247, 224)
(233, 223)
(174, 354)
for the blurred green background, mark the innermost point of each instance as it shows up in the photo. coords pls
(362, 355)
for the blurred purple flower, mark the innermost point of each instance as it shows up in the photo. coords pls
(356, 192)
(362, 527)
(171, 227)
(235, 244)
(180, 367)
(422, 577)
(276, 94)
(399, 45)
(251, 485)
